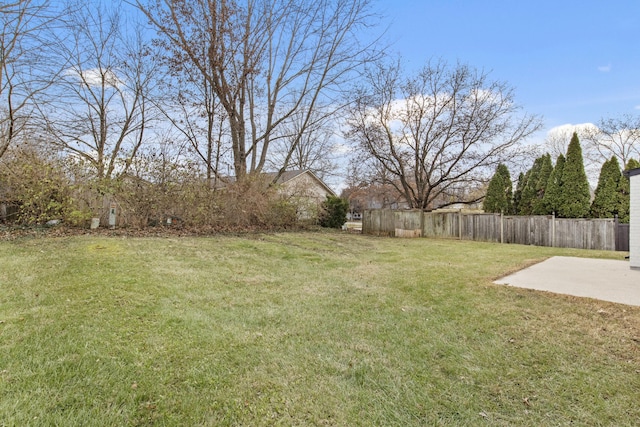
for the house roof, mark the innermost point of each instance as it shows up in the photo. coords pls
(285, 177)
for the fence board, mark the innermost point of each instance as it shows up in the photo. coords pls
(408, 223)
(443, 225)
(379, 222)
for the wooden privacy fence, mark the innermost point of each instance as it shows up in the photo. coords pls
(526, 230)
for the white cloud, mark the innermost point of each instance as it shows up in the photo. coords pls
(604, 68)
(95, 76)
(341, 149)
(568, 129)
(558, 137)
(637, 107)
(488, 96)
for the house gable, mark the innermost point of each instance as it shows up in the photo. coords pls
(307, 182)
(305, 190)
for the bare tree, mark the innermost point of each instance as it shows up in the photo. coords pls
(557, 143)
(618, 136)
(164, 161)
(98, 109)
(23, 73)
(191, 105)
(268, 62)
(439, 132)
(315, 149)
(557, 139)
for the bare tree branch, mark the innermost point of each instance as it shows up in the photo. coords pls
(617, 136)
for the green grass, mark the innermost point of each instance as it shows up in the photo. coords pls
(303, 329)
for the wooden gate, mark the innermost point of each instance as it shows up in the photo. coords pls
(622, 237)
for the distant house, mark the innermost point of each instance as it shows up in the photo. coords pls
(634, 218)
(300, 187)
(304, 189)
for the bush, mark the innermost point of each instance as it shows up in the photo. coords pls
(333, 213)
(39, 188)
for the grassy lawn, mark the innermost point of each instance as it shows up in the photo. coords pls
(303, 329)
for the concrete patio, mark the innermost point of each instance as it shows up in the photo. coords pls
(603, 279)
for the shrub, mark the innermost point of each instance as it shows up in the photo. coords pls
(39, 188)
(333, 213)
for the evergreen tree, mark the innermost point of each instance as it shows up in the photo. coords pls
(576, 197)
(517, 195)
(334, 212)
(546, 167)
(528, 195)
(607, 201)
(624, 191)
(508, 188)
(499, 193)
(552, 196)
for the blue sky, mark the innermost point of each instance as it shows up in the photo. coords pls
(569, 61)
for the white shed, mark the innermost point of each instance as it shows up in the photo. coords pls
(634, 219)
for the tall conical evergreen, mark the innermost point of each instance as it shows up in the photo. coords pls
(623, 192)
(576, 197)
(606, 200)
(546, 167)
(517, 195)
(508, 188)
(553, 194)
(499, 193)
(528, 195)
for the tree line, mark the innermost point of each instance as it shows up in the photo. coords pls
(156, 103)
(178, 108)
(239, 86)
(562, 189)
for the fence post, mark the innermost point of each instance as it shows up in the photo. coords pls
(615, 232)
(460, 224)
(501, 226)
(553, 229)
